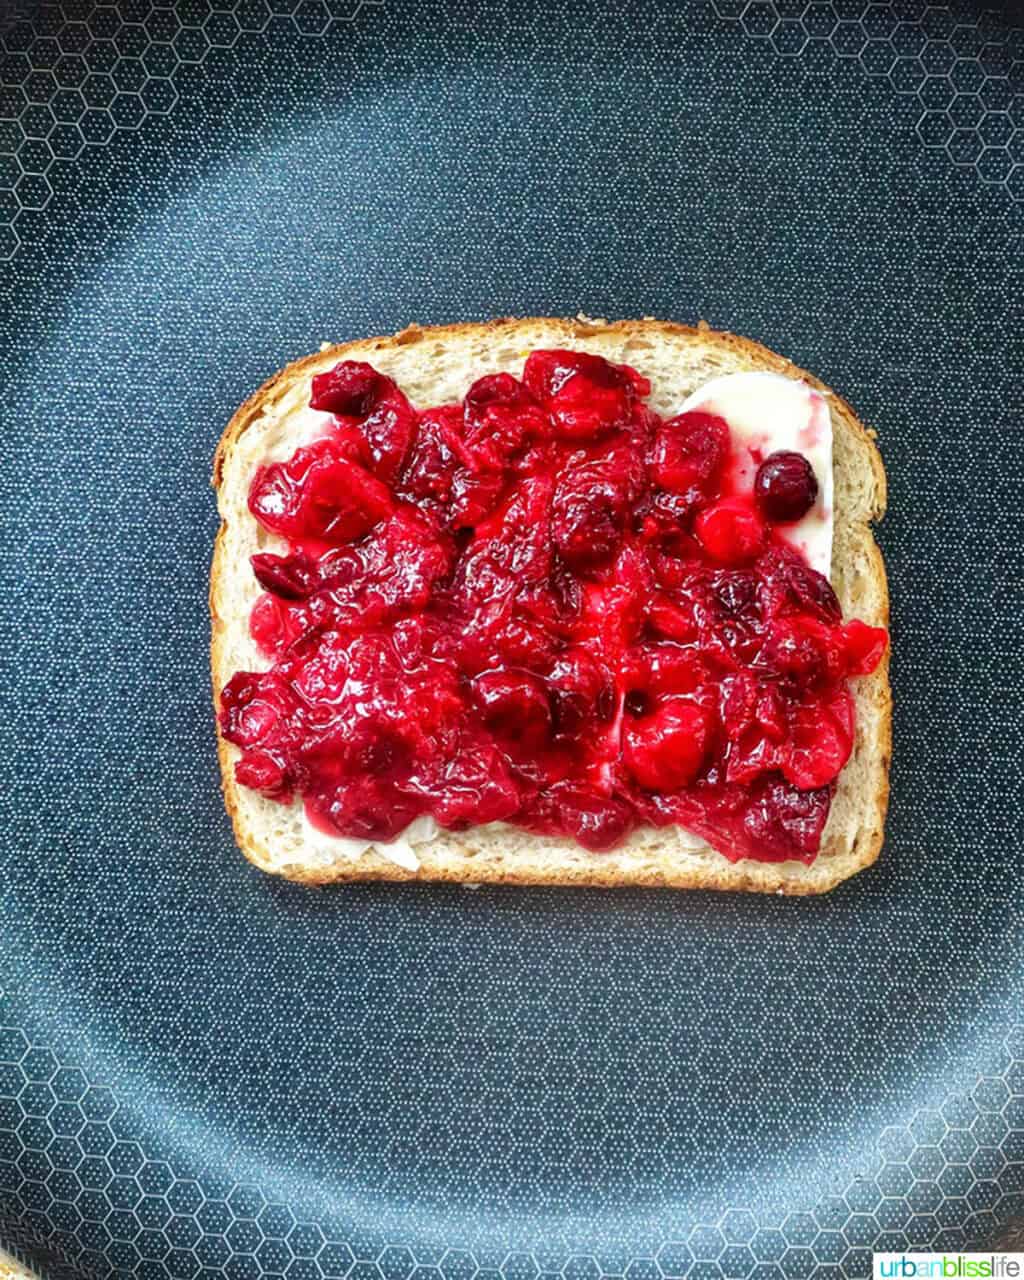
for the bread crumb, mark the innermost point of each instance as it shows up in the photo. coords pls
(326, 346)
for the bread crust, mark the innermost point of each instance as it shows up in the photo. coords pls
(745, 875)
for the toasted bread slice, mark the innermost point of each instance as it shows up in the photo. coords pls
(436, 365)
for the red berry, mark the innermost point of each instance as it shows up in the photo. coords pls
(350, 389)
(515, 704)
(430, 466)
(274, 623)
(785, 486)
(864, 647)
(386, 419)
(689, 453)
(782, 822)
(292, 577)
(251, 708)
(597, 820)
(665, 751)
(501, 418)
(318, 495)
(585, 396)
(805, 649)
(809, 590)
(262, 772)
(731, 531)
(820, 744)
(591, 506)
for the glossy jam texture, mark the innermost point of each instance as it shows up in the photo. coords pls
(546, 606)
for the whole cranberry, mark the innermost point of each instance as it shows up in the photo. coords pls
(785, 486)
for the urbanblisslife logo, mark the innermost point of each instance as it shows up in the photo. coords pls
(948, 1266)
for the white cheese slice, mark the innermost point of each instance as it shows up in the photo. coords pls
(305, 426)
(401, 851)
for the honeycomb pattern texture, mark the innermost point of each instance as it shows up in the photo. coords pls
(89, 1194)
(960, 64)
(73, 74)
(206, 1072)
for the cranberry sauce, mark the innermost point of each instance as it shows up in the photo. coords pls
(545, 606)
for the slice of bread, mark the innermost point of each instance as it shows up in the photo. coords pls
(435, 365)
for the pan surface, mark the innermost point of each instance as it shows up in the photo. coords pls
(204, 1071)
